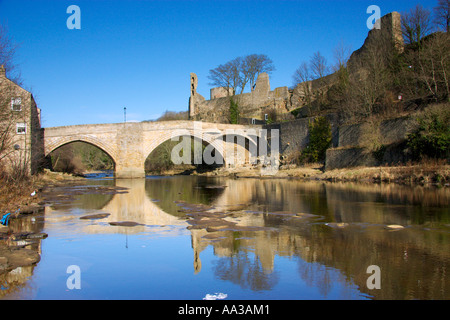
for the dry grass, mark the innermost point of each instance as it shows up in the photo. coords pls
(15, 194)
(425, 171)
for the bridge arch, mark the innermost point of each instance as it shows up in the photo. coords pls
(205, 139)
(59, 142)
(241, 143)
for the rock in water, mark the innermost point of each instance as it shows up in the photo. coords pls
(395, 227)
(125, 224)
(95, 216)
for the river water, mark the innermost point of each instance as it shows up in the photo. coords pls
(197, 237)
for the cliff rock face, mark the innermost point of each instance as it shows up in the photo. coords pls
(389, 34)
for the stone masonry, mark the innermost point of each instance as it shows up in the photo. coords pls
(20, 127)
(255, 104)
(129, 144)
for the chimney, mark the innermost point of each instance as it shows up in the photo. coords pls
(2, 71)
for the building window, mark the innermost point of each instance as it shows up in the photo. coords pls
(21, 128)
(16, 104)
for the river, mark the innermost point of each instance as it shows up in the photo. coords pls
(192, 238)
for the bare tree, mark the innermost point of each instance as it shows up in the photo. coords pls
(173, 115)
(16, 140)
(240, 71)
(341, 54)
(416, 24)
(227, 75)
(429, 68)
(8, 52)
(338, 92)
(442, 14)
(370, 84)
(8, 118)
(319, 66)
(252, 66)
(302, 78)
(220, 76)
(7, 123)
(302, 74)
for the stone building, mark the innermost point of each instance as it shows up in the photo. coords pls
(21, 136)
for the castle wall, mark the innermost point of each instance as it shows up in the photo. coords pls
(352, 150)
(254, 104)
(294, 135)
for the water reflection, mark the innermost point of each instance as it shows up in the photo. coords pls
(258, 229)
(304, 220)
(16, 280)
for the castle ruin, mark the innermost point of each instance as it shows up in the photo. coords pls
(262, 101)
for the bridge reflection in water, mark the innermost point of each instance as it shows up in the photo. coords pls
(327, 226)
(331, 231)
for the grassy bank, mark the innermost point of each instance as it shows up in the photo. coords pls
(431, 172)
(408, 174)
(16, 194)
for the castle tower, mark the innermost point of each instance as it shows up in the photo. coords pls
(194, 83)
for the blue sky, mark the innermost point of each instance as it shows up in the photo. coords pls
(138, 54)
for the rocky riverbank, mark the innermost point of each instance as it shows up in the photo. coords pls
(21, 236)
(17, 249)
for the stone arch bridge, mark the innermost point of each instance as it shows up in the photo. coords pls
(129, 144)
